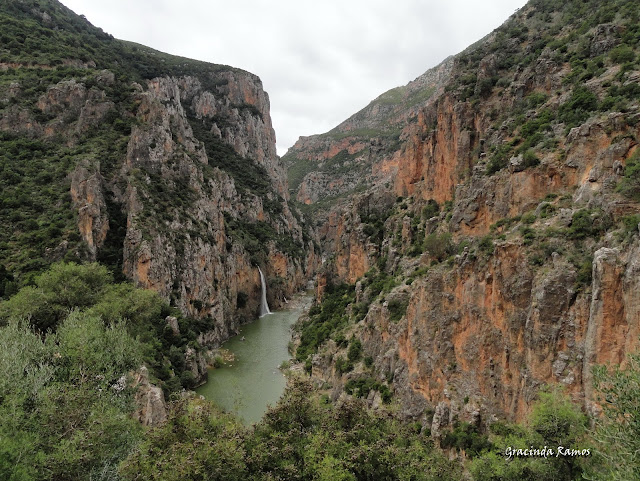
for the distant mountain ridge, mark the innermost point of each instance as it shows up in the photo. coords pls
(332, 164)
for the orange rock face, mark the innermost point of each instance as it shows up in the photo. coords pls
(491, 325)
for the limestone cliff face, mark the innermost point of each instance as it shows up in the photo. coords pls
(347, 158)
(506, 289)
(173, 180)
(190, 255)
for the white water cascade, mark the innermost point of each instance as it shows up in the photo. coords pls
(264, 307)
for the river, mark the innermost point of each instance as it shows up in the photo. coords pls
(251, 382)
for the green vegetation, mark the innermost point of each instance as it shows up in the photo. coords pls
(578, 108)
(362, 386)
(256, 236)
(397, 309)
(248, 175)
(373, 224)
(629, 186)
(588, 223)
(555, 421)
(355, 350)
(36, 213)
(302, 438)
(376, 281)
(438, 245)
(430, 210)
(89, 290)
(297, 169)
(38, 223)
(617, 432)
(65, 37)
(64, 412)
(325, 319)
(622, 54)
(466, 437)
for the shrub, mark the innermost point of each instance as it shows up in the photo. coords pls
(529, 218)
(397, 309)
(430, 210)
(578, 108)
(466, 437)
(582, 225)
(355, 350)
(486, 245)
(343, 365)
(629, 186)
(439, 246)
(622, 54)
(324, 319)
(530, 159)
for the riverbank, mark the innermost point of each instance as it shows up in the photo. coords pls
(252, 381)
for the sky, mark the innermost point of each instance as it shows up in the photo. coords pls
(319, 61)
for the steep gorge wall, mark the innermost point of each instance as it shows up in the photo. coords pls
(524, 299)
(188, 217)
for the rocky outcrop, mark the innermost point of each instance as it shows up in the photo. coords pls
(349, 156)
(151, 409)
(173, 180)
(87, 187)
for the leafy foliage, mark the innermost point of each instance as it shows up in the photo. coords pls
(578, 108)
(555, 421)
(397, 308)
(467, 437)
(299, 439)
(629, 186)
(325, 319)
(618, 430)
(60, 416)
(90, 289)
(361, 387)
(197, 441)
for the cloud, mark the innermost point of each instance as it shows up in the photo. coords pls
(320, 62)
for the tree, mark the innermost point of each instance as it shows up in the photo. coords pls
(554, 421)
(617, 432)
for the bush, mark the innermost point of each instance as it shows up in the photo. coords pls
(397, 309)
(617, 433)
(466, 437)
(324, 319)
(430, 210)
(554, 421)
(343, 365)
(355, 350)
(578, 108)
(622, 54)
(629, 186)
(439, 246)
(63, 287)
(584, 223)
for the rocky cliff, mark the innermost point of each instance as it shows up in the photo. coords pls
(162, 168)
(330, 166)
(496, 251)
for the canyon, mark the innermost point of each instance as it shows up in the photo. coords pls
(478, 214)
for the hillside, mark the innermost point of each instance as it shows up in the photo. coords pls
(162, 168)
(493, 247)
(325, 168)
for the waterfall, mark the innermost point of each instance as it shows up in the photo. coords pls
(264, 307)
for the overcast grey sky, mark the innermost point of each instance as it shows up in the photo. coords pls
(320, 61)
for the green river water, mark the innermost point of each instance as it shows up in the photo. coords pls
(247, 385)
